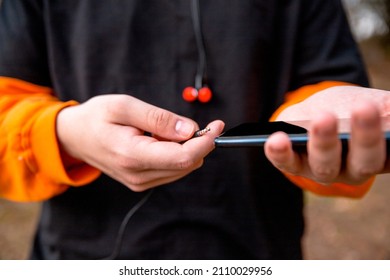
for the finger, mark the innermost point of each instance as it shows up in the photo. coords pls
(367, 146)
(324, 148)
(152, 184)
(127, 110)
(175, 156)
(202, 145)
(279, 152)
(152, 178)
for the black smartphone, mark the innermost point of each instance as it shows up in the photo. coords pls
(256, 134)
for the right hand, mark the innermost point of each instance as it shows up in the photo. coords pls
(107, 132)
(324, 161)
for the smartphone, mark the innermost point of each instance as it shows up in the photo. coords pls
(256, 134)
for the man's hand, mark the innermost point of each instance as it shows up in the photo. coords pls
(108, 132)
(323, 161)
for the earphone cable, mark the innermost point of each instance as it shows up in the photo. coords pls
(200, 77)
(119, 238)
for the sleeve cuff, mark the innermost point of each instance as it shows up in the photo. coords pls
(296, 96)
(58, 167)
(335, 189)
(32, 167)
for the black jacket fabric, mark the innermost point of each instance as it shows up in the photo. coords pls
(237, 206)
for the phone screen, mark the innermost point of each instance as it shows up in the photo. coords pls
(256, 134)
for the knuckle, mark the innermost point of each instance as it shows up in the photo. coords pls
(199, 164)
(281, 167)
(136, 188)
(367, 171)
(290, 166)
(293, 170)
(159, 119)
(370, 140)
(124, 162)
(136, 183)
(125, 159)
(367, 167)
(324, 173)
(111, 106)
(185, 162)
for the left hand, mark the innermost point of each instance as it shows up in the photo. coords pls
(323, 162)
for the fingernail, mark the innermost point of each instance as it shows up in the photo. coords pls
(184, 129)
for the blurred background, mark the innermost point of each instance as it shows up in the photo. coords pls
(339, 228)
(336, 228)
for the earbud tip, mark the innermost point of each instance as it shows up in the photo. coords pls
(190, 94)
(204, 95)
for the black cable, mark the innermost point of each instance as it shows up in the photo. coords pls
(200, 77)
(119, 238)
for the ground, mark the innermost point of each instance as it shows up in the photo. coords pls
(348, 229)
(17, 223)
(339, 228)
(336, 228)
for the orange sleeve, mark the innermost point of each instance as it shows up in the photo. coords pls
(335, 189)
(32, 167)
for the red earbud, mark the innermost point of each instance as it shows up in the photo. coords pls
(190, 94)
(204, 94)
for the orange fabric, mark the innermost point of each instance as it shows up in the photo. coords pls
(335, 189)
(31, 165)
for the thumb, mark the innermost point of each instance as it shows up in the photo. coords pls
(128, 110)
